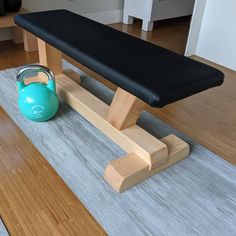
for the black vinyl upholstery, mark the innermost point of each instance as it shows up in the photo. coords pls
(154, 74)
(2, 9)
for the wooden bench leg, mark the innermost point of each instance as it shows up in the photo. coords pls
(17, 35)
(30, 42)
(50, 57)
(125, 109)
(130, 170)
(123, 113)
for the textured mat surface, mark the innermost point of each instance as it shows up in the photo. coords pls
(195, 197)
(3, 230)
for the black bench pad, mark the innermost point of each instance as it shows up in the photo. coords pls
(154, 74)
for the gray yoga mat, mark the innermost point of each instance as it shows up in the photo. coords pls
(194, 197)
(3, 230)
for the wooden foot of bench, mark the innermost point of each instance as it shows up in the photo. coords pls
(147, 154)
(130, 170)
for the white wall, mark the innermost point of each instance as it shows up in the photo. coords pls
(105, 11)
(195, 27)
(81, 6)
(217, 35)
(5, 34)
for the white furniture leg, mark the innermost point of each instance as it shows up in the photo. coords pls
(128, 19)
(147, 25)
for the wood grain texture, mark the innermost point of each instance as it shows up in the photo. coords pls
(195, 197)
(33, 198)
(30, 42)
(50, 57)
(17, 34)
(124, 110)
(130, 170)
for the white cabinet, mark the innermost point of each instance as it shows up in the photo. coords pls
(153, 10)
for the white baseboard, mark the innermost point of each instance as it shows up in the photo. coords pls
(106, 17)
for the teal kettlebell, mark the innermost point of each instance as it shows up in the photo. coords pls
(37, 101)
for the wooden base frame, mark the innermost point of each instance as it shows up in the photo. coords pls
(147, 155)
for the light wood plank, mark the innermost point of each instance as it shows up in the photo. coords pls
(50, 57)
(17, 35)
(130, 170)
(30, 42)
(124, 110)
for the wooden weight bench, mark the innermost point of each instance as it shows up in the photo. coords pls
(144, 73)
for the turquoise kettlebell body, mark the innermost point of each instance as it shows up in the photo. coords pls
(37, 101)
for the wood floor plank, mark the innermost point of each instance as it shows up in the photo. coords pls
(34, 200)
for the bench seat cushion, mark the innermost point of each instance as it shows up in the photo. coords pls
(152, 73)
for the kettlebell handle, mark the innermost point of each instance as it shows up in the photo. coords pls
(34, 68)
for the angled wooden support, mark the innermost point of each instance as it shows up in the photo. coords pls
(124, 112)
(125, 109)
(146, 156)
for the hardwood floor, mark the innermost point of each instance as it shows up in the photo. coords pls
(34, 200)
(13, 55)
(171, 34)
